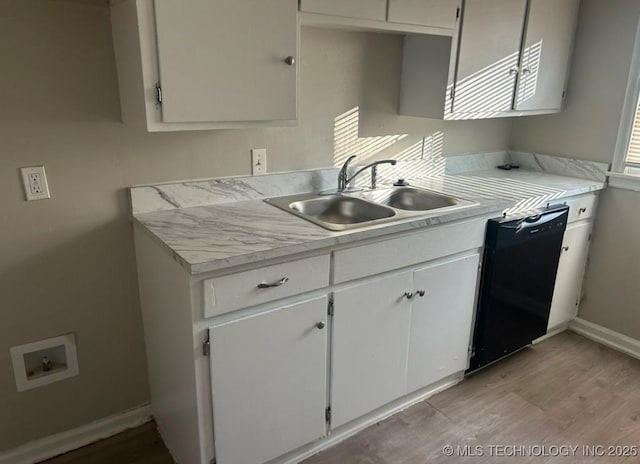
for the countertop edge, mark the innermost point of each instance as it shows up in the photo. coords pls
(484, 207)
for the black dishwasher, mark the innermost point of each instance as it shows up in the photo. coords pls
(516, 287)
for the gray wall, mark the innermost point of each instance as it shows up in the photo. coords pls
(587, 129)
(68, 263)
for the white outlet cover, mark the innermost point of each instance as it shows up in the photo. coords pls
(258, 161)
(27, 181)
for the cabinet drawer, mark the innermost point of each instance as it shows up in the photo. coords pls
(434, 13)
(395, 253)
(361, 9)
(244, 289)
(582, 207)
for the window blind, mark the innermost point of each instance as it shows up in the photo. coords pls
(633, 152)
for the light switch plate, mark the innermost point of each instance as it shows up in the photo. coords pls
(35, 184)
(258, 161)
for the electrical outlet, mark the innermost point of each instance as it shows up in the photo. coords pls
(258, 161)
(35, 183)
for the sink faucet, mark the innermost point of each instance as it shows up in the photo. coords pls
(343, 177)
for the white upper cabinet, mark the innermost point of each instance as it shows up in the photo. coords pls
(488, 57)
(435, 13)
(362, 9)
(436, 17)
(546, 54)
(506, 58)
(206, 64)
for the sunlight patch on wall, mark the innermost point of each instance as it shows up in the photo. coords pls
(347, 142)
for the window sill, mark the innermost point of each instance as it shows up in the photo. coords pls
(624, 181)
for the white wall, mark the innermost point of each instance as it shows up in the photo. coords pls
(68, 263)
(587, 129)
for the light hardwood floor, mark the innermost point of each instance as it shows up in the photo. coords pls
(564, 391)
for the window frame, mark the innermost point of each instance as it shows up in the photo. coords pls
(618, 176)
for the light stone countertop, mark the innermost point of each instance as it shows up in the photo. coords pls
(219, 236)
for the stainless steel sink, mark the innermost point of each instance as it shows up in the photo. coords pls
(333, 212)
(411, 199)
(352, 210)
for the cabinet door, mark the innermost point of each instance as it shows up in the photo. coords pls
(370, 339)
(546, 54)
(441, 321)
(488, 58)
(361, 9)
(573, 259)
(224, 60)
(434, 13)
(269, 382)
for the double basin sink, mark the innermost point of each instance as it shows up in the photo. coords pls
(346, 211)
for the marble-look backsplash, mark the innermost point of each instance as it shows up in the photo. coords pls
(186, 194)
(202, 192)
(560, 166)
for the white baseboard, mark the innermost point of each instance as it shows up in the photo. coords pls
(64, 442)
(551, 333)
(606, 337)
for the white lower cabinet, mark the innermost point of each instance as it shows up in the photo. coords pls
(441, 320)
(571, 267)
(370, 340)
(397, 334)
(269, 377)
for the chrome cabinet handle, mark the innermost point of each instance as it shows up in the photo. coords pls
(526, 71)
(410, 295)
(290, 60)
(514, 70)
(320, 325)
(582, 210)
(565, 248)
(282, 281)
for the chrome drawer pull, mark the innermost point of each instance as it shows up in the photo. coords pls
(320, 325)
(420, 293)
(582, 210)
(282, 281)
(409, 295)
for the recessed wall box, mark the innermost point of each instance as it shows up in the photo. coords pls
(44, 362)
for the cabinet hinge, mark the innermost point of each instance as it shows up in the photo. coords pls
(327, 414)
(589, 238)
(458, 13)
(330, 307)
(158, 94)
(206, 344)
(564, 92)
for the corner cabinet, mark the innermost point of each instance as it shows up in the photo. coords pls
(206, 64)
(507, 58)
